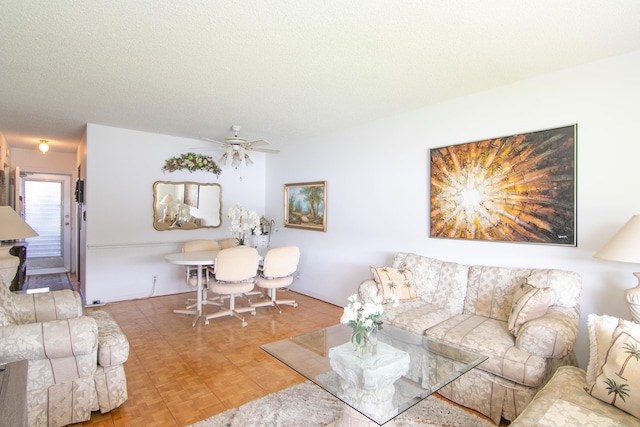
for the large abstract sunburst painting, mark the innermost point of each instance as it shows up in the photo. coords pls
(519, 188)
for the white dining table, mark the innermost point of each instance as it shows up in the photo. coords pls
(199, 259)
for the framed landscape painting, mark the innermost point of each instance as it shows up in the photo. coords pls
(519, 188)
(305, 205)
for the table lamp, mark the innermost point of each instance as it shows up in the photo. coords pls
(12, 227)
(624, 246)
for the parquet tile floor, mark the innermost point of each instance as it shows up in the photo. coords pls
(178, 374)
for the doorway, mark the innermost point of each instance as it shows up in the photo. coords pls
(46, 204)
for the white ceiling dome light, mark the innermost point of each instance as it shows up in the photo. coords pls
(43, 146)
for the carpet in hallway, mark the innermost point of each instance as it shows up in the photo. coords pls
(54, 282)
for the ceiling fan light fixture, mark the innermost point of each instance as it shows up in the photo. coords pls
(223, 159)
(43, 146)
(235, 161)
(235, 148)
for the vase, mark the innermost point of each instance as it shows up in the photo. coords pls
(365, 342)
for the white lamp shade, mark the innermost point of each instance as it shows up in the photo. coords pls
(166, 199)
(624, 246)
(12, 226)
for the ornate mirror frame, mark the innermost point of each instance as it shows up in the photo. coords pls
(186, 205)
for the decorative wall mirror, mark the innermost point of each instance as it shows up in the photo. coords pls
(186, 205)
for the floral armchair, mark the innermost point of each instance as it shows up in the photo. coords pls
(75, 361)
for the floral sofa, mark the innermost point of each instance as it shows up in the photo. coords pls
(75, 361)
(524, 320)
(606, 394)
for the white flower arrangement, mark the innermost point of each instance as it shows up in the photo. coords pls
(243, 222)
(362, 316)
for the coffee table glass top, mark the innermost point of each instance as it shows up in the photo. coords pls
(406, 368)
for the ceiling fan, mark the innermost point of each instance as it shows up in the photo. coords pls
(237, 147)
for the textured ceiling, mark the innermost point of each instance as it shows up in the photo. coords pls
(281, 69)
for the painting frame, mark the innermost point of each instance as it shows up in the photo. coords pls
(300, 211)
(518, 189)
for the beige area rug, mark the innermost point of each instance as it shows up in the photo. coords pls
(307, 405)
(54, 282)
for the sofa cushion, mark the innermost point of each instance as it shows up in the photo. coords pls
(415, 316)
(528, 303)
(565, 285)
(618, 382)
(394, 282)
(443, 284)
(491, 337)
(46, 306)
(490, 291)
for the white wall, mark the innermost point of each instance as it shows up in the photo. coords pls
(123, 250)
(32, 160)
(377, 182)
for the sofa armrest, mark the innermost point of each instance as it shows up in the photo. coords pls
(46, 306)
(113, 346)
(368, 290)
(552, 335)
(48, 340)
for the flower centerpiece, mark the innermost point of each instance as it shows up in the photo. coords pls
(243, 223)
(192, 162)
(364, 319)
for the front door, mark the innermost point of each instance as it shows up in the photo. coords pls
(47, 200)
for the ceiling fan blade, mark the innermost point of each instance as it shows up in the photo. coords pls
(213, 140)
(265, 150)
(258, 142)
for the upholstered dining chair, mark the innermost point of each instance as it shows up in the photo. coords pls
(277, 272)
(235, 273)
(231, 242)
(191, 271)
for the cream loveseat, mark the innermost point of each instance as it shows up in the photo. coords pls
(75, 361)
(473, 307)
(574, 397)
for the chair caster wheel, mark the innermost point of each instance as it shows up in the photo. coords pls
(295, 304)
(244, 324)
(206, 322)
(253, 313)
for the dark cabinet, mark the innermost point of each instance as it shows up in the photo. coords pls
(19, 250)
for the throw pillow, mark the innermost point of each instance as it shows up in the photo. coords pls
(619, 380)
(394, 281)
(529, 303)
(600, 329)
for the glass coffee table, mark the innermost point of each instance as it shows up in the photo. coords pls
(406, 369)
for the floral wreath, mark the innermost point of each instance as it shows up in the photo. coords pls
(192, 162)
